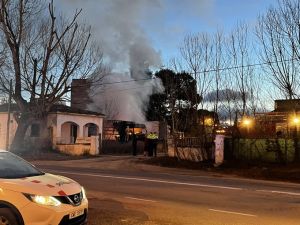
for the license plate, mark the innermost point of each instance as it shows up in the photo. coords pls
(76, 214)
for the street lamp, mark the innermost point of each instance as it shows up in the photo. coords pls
(246, 122)
(296, 121)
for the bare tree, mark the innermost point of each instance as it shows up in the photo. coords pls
(239, 53)
(197, 53)
(279, 34)
(43, 52)
(230, 97)
(176, 65)
(218, 63)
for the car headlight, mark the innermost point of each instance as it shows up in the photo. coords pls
(83, 193)
(43, 200)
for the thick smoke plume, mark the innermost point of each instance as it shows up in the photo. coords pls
(126, 47)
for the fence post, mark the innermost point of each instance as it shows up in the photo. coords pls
(100, 143)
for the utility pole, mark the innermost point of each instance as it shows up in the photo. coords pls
(8, 116)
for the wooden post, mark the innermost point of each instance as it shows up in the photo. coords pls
(8, 116)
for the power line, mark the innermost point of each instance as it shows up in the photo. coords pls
(98, 83)
(204, 71)
(244, 66)
(127, 81)
(213, 70)
(121, 90)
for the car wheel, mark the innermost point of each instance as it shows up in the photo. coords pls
(7, 217)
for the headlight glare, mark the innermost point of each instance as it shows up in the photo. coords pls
(44, 200)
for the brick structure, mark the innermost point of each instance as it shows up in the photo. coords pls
(289, 105)
(80, 89)
(280, 120)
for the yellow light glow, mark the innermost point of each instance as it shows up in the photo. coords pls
(296, 120)
(45, 200)
(247, 122)
(222, 131)
(208, 122)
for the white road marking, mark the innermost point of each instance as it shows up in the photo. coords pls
(141, 199)
(280, 192)
(148, 180)
(230, 212)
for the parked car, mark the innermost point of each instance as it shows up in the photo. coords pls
(29, 196)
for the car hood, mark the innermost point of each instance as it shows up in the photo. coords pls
(46, 185)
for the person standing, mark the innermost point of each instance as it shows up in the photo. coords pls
(150, 144)
(134, 144)
(155, 142)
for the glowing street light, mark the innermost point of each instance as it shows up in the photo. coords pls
(296, 120)
(246, 122)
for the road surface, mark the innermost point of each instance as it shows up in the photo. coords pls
(137, 196)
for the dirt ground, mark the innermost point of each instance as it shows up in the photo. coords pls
(265, 171)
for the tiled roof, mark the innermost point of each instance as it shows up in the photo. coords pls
(54, 109)
(68, 109)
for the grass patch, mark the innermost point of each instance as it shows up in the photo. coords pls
(265, 171)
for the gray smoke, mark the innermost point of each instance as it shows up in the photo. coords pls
(126, 47)
(125, 101)
(223, 95)
(120, 27)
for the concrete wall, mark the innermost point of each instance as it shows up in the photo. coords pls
(66, 133)
(3, 129)
(58, 129)
(62, 131)
(186, 153)
(80, 120)
(74, 149)
(191, 154)
(86, 145)
(92, 141)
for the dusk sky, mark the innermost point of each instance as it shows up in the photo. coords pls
(137, 34)
(162, 24)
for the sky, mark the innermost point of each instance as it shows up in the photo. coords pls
(136, 35)
(162, 24)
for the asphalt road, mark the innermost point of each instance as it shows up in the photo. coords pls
(123, 196)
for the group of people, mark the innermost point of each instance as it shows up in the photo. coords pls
(150, 144)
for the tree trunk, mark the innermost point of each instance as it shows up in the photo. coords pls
(18, 141)
(39, 142)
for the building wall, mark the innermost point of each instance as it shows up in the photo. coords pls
(288, 105)
(54, 123)
(3, 129)
(80, 120)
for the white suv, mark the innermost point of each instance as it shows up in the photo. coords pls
(31, 197)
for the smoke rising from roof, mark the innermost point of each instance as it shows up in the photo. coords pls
(126, 46)
(118, 28)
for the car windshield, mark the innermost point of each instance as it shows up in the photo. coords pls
(12, 167)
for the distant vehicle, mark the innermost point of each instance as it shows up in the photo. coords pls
(29, 196)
